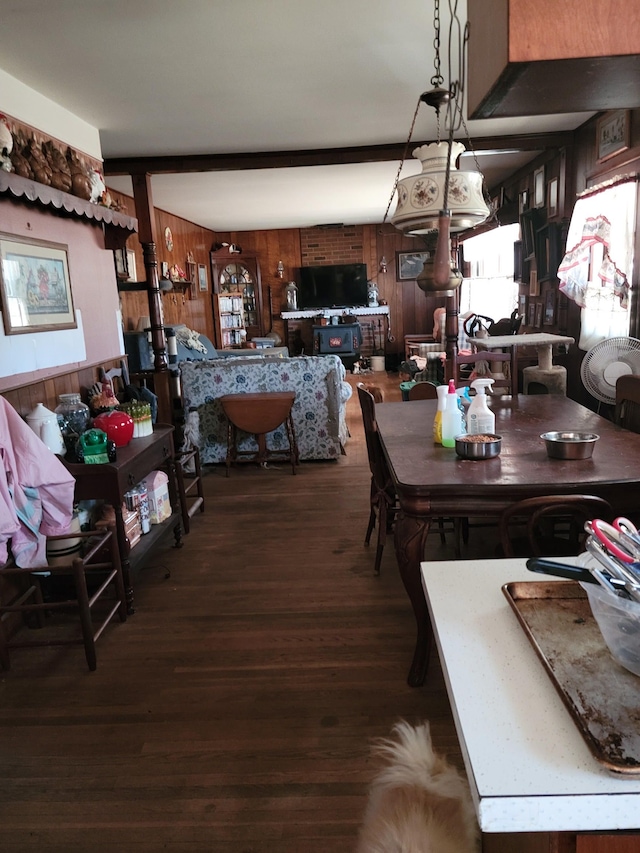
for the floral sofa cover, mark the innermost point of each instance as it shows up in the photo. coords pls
(318, 411)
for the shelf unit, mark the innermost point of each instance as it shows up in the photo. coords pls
(234, 273)
(229, 317)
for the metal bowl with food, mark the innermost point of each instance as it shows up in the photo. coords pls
(569, 445)
(481, 446)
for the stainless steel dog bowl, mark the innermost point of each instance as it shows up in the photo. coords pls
(569, 445)
(483, 446)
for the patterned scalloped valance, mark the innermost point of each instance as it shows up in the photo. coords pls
(118, 226)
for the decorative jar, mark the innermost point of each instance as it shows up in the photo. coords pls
(291, 295)
(117, 425)
(73, 415)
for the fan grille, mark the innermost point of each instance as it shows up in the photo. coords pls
(605, 362)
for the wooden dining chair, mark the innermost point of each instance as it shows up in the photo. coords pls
(382, 497)
(423, 391)
(549, 525)
(627, 410)
(383, 500)
(91, 587)
(482, 361)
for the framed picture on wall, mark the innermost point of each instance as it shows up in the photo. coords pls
(409, 265)
(538, 320)
(35, 288)
(539, 188)
(531, 318)
(534, 284)
(552, 197)
(549, 308)
(203, 281)
(522, 305)
(612, 134)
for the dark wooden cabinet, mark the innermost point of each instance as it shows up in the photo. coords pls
(239, 273)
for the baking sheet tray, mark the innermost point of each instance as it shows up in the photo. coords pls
(602, 696)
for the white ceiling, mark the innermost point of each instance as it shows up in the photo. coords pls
(160, 77)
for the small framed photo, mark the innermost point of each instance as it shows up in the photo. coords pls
(538, 320)
(539, 188)
(534, 284)
(164, 270)
(549, 308)
(522, 305)
(612, 134)
(409, 265)
(552, 197)
(203, 281)
(523, 201)
(35, 288)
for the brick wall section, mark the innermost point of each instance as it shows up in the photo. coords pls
(339, 244)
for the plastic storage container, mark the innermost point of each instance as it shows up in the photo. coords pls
(619, 622)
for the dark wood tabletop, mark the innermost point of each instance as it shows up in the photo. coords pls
(432, 481)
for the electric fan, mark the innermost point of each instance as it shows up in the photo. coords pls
(605, 362)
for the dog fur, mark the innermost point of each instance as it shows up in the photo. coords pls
(375, 391)
(418, 803)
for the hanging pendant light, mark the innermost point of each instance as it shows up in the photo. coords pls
(421, 197)
(440, 196)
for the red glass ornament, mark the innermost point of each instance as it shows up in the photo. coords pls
(117, 425)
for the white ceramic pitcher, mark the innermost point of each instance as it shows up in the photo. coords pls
(44, 423)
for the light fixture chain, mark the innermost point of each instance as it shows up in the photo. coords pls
(404, 157)
(437, 79)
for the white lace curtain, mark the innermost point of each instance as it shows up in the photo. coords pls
(596, 270)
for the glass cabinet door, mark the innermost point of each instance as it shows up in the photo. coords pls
(241, 276)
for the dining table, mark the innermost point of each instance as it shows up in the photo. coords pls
(431, 481)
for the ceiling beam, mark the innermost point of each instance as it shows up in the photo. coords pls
(176, 164)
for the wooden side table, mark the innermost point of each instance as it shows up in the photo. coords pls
(259, 414)
(110, 480)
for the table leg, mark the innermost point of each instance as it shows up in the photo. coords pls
(123, 545)
(410, 538)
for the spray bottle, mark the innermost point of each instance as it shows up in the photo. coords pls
(451, 418)
(481, 419)
(441, 391)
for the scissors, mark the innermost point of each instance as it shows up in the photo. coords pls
(617, 538)
(625, 526)
(614, 567)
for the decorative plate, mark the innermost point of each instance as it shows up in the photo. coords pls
(168, 239)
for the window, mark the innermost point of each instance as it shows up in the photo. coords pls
(490, 289)
(596, 270)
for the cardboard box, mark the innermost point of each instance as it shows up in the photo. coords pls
(158, 492)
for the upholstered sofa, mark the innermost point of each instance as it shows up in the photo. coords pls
(318, 411)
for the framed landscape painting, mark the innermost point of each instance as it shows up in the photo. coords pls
(409, 265)
(35, 287)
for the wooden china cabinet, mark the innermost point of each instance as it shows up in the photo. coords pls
(238, 273)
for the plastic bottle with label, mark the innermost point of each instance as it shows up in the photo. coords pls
(480, 419)
(441, 391)
(451, 418)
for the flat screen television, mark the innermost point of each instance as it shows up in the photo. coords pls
(332, 286)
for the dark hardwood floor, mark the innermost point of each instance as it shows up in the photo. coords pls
(233, 712)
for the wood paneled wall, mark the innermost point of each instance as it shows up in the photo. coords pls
(194, 307)
(411, 312)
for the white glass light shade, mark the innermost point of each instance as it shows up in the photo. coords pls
(421, 197)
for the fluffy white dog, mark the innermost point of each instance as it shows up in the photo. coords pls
(418, 803)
